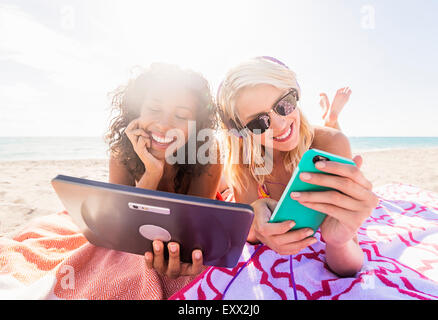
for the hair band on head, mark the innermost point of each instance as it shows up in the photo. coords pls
(278, 62)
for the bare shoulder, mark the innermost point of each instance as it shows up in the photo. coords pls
(249, 192)
(331, 140)
(119, 173)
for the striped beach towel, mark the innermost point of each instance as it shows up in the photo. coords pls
(50, 259)
(400, 241)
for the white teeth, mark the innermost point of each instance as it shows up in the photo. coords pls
(284, 135)
(161, 140)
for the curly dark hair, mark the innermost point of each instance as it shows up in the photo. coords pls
(126, 103)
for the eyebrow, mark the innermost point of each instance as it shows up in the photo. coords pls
(260, 113)
(184, 107)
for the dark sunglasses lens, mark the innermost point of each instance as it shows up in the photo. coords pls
(259, 124)
(286, 105)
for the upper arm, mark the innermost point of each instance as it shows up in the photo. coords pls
(119, 173)
(333, 141)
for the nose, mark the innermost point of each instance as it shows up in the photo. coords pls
(277, 122)
(163, 123)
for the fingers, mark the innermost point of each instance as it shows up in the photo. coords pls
(290, 242)
(292, 236)
(173, 267)
(278, 237)
(134, 124)
(351, 219)
(174, 264)
(295, 247)
(149, 258)
(134, 132)
(267, 229)
(329, 197)
(344, 170)
(263, 209)
(271, 204)
(337, 212)
(197, 262)
(158, 262)
(340, 183)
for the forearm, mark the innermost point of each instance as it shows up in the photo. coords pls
(346, 260)
(149, 181)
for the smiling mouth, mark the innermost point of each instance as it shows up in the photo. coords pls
(286, 135)
(161, 139)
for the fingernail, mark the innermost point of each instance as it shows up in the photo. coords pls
(172, 248)
(309, 232)
(156, 246)
(292, 224)
(305, 176)
(295, 194)
(197, 255)
(320, 164)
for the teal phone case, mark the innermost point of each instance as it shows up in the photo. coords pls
(290, 209)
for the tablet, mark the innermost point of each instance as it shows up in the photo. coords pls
(128, 219)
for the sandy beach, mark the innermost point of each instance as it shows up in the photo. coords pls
(26, 192)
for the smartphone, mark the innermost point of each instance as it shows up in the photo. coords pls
(290, 209)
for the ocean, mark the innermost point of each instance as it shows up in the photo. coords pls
(68, 148)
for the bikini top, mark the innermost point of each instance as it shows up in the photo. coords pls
(263, 192)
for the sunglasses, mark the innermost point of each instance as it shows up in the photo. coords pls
(283, 107)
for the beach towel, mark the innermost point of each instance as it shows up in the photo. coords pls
(400, 242)
(50, 259)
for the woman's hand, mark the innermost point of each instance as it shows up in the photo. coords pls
(141, 142)
(277, 235)
(347, 207)
(173, 268)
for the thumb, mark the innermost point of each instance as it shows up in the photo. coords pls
(271, 203)
(358, 160)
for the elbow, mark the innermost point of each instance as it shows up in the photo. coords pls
(348, 270)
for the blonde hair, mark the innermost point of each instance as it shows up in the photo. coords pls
(243, 155)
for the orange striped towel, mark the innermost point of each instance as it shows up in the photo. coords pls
(51, 259)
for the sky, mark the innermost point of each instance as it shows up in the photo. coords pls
(60, 59)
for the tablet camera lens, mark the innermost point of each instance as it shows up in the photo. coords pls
(319, 158)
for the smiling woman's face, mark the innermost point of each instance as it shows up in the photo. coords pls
(284, 130)
(164, 110)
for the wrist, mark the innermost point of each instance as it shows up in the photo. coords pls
(150, 179)
(156, 173)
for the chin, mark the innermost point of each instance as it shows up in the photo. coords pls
(158, 154)
(285, 146)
